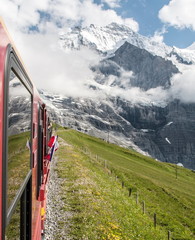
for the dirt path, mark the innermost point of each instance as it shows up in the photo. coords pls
(55, 205)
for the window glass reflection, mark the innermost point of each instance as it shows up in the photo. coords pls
(13, 229)
(19, 134)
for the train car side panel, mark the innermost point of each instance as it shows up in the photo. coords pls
(36, 218)
(4, 41)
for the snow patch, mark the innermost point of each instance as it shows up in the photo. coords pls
(168, 124)
(167, 140)
(145, 130)
(180, 165)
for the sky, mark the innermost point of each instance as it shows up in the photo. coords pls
(173, 20)
(35, 26)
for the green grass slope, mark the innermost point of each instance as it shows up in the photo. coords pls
(108, 186)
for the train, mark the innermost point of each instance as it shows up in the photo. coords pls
(25, 130)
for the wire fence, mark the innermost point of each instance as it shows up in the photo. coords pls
(109, 169)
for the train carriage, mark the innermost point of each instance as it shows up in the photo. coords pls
(23, 145)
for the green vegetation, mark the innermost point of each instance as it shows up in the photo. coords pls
(18, 163)
(13, 229)
(98, 178)
(18, 167)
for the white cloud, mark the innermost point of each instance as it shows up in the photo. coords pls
(179, 13)
(92, 13)
(121, 87)
(112, 3)
(21, 15)
(156, 96)
(58, 71)
(158, 35)
(183, 86)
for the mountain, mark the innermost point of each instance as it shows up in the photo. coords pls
(135, 102)
(109, 38)
(192, 46)
(144, 66)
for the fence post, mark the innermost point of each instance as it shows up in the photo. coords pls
(169, 235)
(105, 163)
(130, 191)
(143, 207)
(137, 198)
(155, 220)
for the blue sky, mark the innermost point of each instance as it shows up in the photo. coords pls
(145, 12)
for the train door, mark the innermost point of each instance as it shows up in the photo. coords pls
(17, 162)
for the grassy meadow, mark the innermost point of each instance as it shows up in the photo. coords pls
(116, 193)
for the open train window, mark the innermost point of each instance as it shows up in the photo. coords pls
(49, 129)
(19, 136)
(17, 151)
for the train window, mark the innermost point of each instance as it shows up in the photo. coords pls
(49, 130)
(13, 229)
(19, 136)
(40, 149)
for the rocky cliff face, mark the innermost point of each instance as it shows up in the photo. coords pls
(149, 71)
(144, 66)
(166, 133)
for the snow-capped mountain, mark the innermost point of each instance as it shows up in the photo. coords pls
(135, 102)
(192, 46)
(109, 38)
(103, 39)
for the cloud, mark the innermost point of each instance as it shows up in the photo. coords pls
(92, 13)
(158, 35)
(179, 14)
(20, 15)
(112, 3)
(120, 86)
(24, 15)
(183, 86)
(52, 69)
(156, 96)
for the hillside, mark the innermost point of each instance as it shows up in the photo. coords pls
(104, 188)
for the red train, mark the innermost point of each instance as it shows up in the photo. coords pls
(24, 133)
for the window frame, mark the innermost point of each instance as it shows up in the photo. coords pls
(40, 153)
(12, 63)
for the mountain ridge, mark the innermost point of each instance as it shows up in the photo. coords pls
(109, 38)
